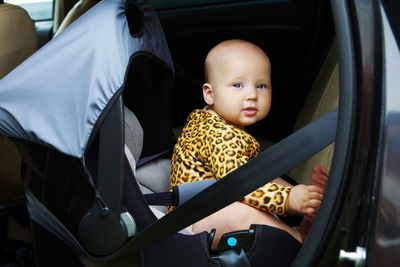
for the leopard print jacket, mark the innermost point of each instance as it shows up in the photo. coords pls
(210, 147)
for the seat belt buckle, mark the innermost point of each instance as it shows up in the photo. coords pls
(237, 240)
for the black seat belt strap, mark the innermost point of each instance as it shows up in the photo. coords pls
(268, 165)
(162, 199)
(185, 191)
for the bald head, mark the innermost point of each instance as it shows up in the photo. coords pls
(225, 50)
(238, 76)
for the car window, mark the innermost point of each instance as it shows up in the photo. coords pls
(38, 10)
(41, 12)
(167, 4)
(392, 8)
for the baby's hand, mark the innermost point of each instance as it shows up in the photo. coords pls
(304, 199)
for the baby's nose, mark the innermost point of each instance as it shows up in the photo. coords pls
(252, 93)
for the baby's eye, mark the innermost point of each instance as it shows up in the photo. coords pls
(261, 86)
(237, 85)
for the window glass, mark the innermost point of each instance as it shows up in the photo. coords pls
(38, 10)
(392, 8)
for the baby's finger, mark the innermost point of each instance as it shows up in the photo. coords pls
(316, 196)
(314, 204)
(310, 211)
(314, 188)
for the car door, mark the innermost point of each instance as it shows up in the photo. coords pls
(358, 220)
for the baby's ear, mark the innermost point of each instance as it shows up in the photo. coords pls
(208, 94)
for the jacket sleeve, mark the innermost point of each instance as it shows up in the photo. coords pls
(225, 157)
(269, 198)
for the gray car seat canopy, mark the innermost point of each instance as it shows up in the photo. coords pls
(63, 103)
(57, 104)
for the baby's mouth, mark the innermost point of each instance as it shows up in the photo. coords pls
(250, 111)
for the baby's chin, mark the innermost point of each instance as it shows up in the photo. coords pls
(242, 125)
(244, 121)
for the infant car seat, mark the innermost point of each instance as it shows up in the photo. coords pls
(81, 149)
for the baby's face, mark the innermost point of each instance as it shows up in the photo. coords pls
(241, 86)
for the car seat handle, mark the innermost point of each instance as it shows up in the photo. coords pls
(103, 229)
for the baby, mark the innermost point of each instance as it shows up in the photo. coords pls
(213, 143)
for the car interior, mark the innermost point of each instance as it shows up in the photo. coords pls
(299, 38)
(19, 41)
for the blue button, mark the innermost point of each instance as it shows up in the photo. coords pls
(232, 241)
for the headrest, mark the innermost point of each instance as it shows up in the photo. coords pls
(17, 35)
(76, 11)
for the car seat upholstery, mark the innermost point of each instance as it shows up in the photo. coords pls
(153, 176)
(76, 11)
(17, 35)
(18, 42)
(323, 97)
